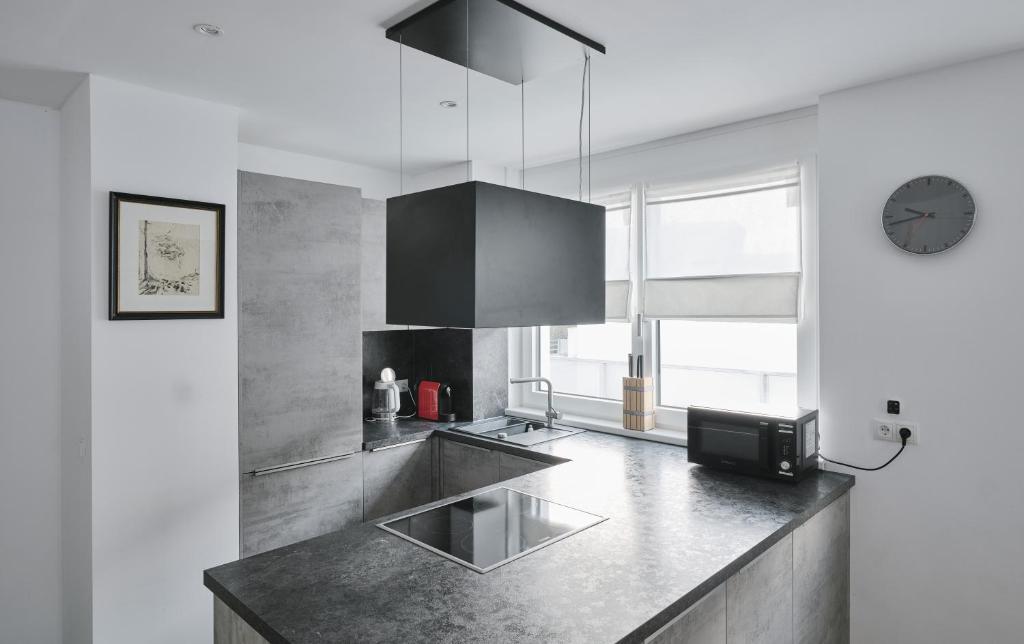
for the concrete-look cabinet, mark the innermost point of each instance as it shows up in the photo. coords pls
(299, 358)
(702, 623)
(407, 475)
(759, 598)
(279, 508)
(230, 628)
(397, 477)
(467, 467)
(511, 466)
(796, 591)
(821, 579)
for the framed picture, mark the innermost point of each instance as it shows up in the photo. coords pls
(166, 258)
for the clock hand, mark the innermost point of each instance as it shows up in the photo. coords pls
(918, 212)
(903, 221)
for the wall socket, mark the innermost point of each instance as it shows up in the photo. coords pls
(889, 430)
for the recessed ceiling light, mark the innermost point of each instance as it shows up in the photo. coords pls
(448, 104)
(208, 29)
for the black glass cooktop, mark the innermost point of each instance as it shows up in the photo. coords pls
(491, 528)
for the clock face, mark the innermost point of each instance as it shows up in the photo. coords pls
(928, 215)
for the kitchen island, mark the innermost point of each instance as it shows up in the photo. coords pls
(685, 553)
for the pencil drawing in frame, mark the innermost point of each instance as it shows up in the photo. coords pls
(166, 258)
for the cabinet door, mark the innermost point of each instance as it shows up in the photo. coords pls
(466, 467)
(299, 339)
(280, 508)
(702, 623)
(510, 466)
(821, 576)
(396, 478)
(759, 599)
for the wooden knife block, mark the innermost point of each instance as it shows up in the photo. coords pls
(638, 404)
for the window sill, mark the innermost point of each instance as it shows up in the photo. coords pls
(658, 435)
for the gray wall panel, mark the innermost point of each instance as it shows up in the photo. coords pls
(490, 372)
(374, 266)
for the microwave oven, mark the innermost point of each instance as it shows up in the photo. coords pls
(771, 445)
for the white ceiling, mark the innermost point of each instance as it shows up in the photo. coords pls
(318, 76)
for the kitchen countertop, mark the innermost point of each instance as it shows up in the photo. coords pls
(377, 435)
(674, 532)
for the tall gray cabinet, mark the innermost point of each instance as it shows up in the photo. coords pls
(300, 359)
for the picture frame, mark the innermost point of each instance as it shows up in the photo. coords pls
(166, 258)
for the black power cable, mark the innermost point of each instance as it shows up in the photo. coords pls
(904, 436)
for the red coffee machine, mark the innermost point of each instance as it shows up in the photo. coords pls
(434, 401)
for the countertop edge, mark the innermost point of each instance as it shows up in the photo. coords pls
(369, 446)
(247, 615)
(701, 590)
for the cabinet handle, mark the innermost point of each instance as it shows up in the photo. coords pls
(386, 447)
(297, 464)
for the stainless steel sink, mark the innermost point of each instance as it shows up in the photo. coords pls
(516, 430)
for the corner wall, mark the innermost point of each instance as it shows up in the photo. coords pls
(164, 392)
(937, 536)
(30, 475)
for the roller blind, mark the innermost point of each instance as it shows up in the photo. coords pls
(618, 215)
(724, 248)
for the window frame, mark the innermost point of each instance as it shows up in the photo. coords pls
(606, 414)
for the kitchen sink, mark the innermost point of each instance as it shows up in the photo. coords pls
(516, 430)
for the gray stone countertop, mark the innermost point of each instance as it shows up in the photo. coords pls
(377, 434)
(674, 532)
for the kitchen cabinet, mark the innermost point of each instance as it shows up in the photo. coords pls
(511, 466)
(396, 478)
(797, 591)
(821, 583)
(299, 321)
(753, 606)
(467, 467)
(230, 628)
(759, 598)
(279, 508)
(299, 358)
(702, 623)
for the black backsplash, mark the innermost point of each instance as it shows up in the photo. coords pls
(444, 355)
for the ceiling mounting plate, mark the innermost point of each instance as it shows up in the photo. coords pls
(500, 38)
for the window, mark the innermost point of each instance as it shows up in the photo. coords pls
(587, 360)
(726, 364)
(704, 280)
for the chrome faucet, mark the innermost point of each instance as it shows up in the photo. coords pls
(551, 414)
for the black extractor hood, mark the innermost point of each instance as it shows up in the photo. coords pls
(480, 255)
(476, 254)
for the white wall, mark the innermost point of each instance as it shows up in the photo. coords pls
(374, 182)
(458, 173)
(30, 581)
(76, 254)
(161, 447)
(938, 537)
(755, 144)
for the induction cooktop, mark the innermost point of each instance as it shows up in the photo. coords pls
(492, 528)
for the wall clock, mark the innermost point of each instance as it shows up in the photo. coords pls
(928, 215)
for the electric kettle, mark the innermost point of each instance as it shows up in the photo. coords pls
(387, 393)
